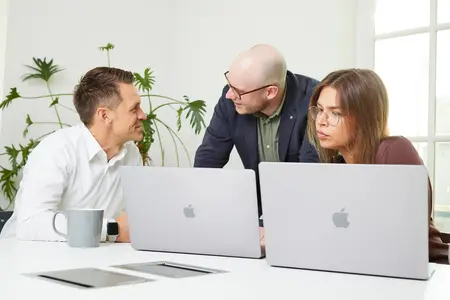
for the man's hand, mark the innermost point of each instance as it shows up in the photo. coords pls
(124, 234)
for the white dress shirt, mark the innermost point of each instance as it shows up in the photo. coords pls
(68, 169)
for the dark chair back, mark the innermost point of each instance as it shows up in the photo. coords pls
(4, 216)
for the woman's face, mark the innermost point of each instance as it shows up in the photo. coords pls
(332, 126)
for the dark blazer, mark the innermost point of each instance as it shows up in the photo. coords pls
(228, 128)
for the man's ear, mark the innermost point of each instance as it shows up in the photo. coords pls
(272, 92)
(103, 113)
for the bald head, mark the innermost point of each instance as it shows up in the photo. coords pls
(260, 65)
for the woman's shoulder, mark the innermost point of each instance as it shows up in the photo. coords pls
(393, 142)
(397, 150)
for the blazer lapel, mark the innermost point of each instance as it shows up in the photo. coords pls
(287, 121)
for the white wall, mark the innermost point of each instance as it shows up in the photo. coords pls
(365, 34)
(189, 44)
(3, 24)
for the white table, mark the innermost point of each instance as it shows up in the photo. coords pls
(245, 279)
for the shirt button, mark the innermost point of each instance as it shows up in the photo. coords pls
(268, 146)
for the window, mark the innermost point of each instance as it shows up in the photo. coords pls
(410, 50)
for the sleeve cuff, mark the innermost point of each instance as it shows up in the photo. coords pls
(261, 221)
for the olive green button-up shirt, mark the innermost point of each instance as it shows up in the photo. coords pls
(268, 127)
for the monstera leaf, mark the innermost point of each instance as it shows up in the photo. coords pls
(196, 111)
(145, 83)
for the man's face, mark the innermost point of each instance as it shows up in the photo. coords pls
(247, 96)
(126, 119)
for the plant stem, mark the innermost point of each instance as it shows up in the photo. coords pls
(9, 205)
(56, 109)
(170, 105)
(46, 96)
(160, 144)
(165, 97)
(176, 135)
(175, 143)
(164, 104)
(66, 107)
(62, 124)
(109, 61)
(44, 135)
(149, 103)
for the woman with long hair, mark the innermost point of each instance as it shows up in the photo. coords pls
(349, 124)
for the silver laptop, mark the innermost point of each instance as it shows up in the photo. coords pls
(192, 210)
(364, 219)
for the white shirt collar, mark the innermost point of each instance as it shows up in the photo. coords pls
(94, 148)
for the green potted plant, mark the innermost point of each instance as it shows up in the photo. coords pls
(44, 71)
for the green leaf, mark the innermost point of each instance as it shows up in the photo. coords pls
(196, 110)
(43, 70)
(7, 176)
(28, 120)
(54, 102)
(13, 153)
(26, 150)
(179, 112)
(13, 94)
(108, 47)
(8, 184)
(148, 130)
(144, 83)
(149, 124)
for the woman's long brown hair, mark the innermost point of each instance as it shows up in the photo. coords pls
(364, 101)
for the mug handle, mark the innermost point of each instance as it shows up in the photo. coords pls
(54, 227)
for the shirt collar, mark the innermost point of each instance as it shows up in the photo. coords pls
(275, 113)
(94, 148)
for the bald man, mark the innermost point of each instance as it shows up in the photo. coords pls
(262, 112)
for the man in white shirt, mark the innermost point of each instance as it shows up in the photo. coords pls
(77, 167)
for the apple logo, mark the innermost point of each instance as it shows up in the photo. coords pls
(189, 211)
(340, 219)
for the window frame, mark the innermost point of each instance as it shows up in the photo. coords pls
(365, 58)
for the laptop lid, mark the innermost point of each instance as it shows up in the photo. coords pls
(366, 219)
(192, 210)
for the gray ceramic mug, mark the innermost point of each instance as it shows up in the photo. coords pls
(84, 227)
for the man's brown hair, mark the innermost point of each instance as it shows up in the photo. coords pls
(363, 97)
(99, 86)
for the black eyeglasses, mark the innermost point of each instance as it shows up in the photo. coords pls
(240, 94)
